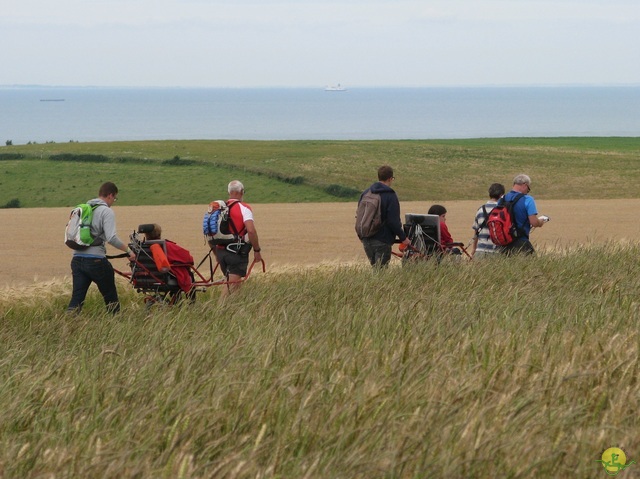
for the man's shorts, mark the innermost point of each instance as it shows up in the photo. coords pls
(232, 263)
(520, 246)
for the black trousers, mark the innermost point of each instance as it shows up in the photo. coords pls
(86, 270)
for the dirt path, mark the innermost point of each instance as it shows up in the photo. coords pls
(292, 235)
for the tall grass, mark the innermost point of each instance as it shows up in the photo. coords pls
(521, 367)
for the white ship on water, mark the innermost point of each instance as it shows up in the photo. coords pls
(337, 87)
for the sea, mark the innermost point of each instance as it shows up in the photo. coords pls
(88, 114)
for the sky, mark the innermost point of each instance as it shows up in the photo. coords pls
(304, 43)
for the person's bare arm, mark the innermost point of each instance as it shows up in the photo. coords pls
(253, 239)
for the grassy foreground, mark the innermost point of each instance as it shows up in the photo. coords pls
(195, 172)
(525, 367)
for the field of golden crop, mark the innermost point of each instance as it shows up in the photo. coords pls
(522, 367)
(291, 235)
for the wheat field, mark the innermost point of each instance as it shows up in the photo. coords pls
(291, 235)
(508, 368)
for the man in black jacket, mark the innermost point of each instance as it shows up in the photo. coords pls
(378, 247)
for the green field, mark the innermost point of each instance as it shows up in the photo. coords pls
(512, 368)
(193, 172)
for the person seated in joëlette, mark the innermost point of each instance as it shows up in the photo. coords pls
(445, 236)
(178, 260)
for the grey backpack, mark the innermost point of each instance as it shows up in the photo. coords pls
(368, 215)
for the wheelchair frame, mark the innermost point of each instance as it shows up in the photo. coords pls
(163, 288)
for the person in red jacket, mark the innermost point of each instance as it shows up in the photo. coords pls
(445, 236)
(178, 260)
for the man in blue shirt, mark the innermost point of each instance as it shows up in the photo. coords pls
(525, 215)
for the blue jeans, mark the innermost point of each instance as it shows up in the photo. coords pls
(379, 253)
(86, 270)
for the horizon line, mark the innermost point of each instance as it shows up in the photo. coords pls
(314, 87)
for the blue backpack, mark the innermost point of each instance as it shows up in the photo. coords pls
(217, 226)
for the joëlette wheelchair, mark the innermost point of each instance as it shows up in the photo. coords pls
(160, 287)
(424, 233)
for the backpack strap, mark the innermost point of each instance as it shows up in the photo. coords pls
(97, 241)
(515, 199)
(484, 223)
(232, 225)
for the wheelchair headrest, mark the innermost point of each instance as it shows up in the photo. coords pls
(146, 228)
(415, 219)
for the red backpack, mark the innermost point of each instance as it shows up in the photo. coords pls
(501, 222)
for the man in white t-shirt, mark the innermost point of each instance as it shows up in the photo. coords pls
(235, 261)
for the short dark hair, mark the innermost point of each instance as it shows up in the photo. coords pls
(496, 190)
(385, 172)
(107, 189)
(437, 210)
